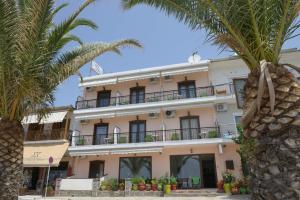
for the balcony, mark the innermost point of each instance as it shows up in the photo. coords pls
(147, 136)
(217, 90)
(39, 135)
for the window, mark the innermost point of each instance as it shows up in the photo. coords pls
(100, 133)
(190, 127)
(135, 167)
(229, 164)
(187, 89)
(137, 95)
(185, 166)
(96, 169)
(103, 98)
(137, 131)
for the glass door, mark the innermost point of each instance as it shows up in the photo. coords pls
(187, 89)
(103, 98)
(137, 131)
(137, 95)
(100, 134)
(96, 169)
(190, 127)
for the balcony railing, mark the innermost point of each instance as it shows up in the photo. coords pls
(38, 135)
(223, 89)
(147, 136)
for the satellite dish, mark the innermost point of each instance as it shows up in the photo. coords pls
(195, 58)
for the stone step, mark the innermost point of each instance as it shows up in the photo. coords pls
(194, 193)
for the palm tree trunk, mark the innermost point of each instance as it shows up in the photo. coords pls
(11, 158)
(275, 169)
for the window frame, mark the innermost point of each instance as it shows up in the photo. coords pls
(95, 128)
(137, 100)
(138, 136)
(100, 162)
(189, 117)
(98, 105)
(150, 157)
(186, 84)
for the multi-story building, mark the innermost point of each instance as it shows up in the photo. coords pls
(45, 138)
(176, 120)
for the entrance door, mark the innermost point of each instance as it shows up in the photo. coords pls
(137, 95)
(96, 169)
(34, 178)
(103, 98)
(137, 131)
(190, 127)
(100, 133)
(209, 171)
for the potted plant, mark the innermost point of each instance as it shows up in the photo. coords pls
(149, 138)
(148, 185)
(227, 177)
(154, 184)
(122, 186)
(243, 186)
(50, 191)
(173, 182)
(135, 182)
(160, 185)
(212, 134)
(80, 141)
(167, 185)
(235, 188)
(220, 186)
(174, 136)
(103, 185)
(141, 184)
(113, 183)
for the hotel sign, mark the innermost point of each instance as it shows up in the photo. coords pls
(239, 85)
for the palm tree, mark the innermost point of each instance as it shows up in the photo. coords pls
(256, 30)
(136, 164)
(34, 60)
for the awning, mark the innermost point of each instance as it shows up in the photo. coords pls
(50, 118)
(37, 155)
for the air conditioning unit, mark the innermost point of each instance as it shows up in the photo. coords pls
(89, 89)
(170, 113)
(221, 107)
(153, 80)
(168, 78)
(153, 115)
(84, 122)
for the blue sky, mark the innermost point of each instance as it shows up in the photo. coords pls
(165, 40)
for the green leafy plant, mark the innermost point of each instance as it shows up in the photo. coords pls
(228, 177)
(149, 138)
(175, 136)
(135, 180)
(212, 134)
(154, 181)
(173, 180)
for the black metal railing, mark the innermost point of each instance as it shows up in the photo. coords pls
(147, 136)
(223, 89)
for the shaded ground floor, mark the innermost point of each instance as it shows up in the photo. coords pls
(194, 166)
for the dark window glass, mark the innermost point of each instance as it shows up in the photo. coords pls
(190, 128)
(103, 99)
(185, 166)
(96, 169)
(187, 89)
(135, 167)
(137, 95)
(100, 134)
(58, 172)
(229, 164)
(137, 131)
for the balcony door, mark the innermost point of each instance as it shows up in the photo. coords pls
(96, 169)
(103, 98)
(137, 95)
(137, 131)
(100, 133)
(190, 127)
(187, 89)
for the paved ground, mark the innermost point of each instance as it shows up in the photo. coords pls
(235, 197)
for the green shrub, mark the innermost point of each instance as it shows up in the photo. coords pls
(175, 136)
(149, 138)
(212, 134)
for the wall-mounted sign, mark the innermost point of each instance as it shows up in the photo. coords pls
(239, 84)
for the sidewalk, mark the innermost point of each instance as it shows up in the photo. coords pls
(235, 197)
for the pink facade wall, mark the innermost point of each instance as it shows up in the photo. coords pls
(201, 80)
(161, 161)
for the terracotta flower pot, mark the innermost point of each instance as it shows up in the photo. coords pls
(220, 186)
(142, 186)
(154, 187)
(235, 190)
(173, 187)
